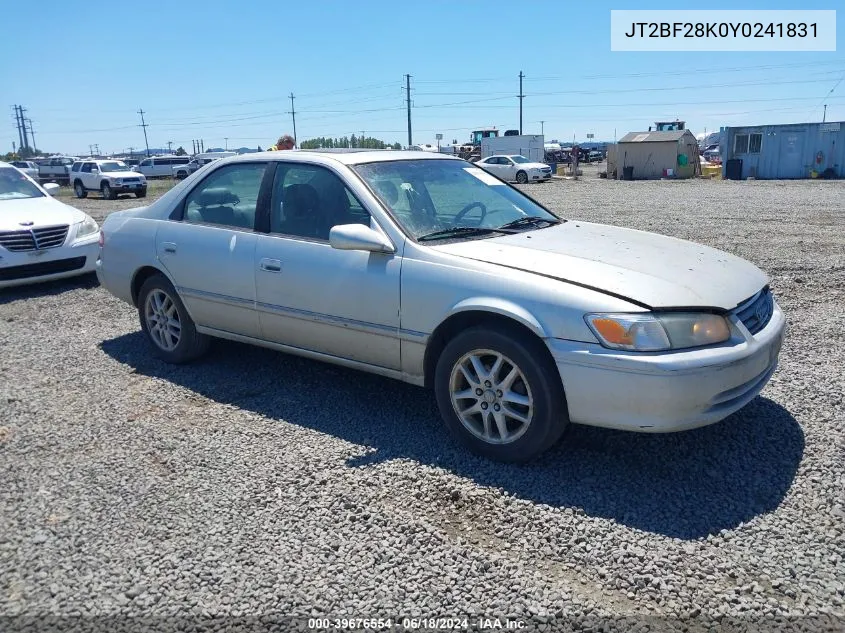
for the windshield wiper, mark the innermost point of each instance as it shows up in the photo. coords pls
(527, 221)
(459, 231)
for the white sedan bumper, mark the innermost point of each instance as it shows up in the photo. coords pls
(661, 392)
(23, 268)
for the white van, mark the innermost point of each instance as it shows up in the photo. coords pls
(161, 166)
(198, 160)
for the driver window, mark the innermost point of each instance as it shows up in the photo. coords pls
(227, 197)
(308, 200)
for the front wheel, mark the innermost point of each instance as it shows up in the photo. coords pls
(141, 194)
(107, 191)
(500, 394)
(521, 177)
(167, 323)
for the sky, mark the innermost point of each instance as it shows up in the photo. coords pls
(224, 74)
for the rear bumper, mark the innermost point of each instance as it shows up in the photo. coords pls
(664, 392)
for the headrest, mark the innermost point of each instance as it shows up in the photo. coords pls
(217, 196)
(301, 196)
(388, 191)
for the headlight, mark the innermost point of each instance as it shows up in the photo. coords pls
(117, 181)
(87, 227)
(652, 332)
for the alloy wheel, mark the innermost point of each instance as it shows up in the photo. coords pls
(491, 396)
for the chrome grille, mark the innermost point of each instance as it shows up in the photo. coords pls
(756, 313)
(131, 180)
(34, 239)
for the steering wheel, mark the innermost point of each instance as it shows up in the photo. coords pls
(460, 214)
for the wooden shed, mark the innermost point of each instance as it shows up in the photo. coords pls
(662, 154)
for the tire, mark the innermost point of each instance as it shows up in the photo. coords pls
(521, 177)
(107, 191)
(79, 190)
(141, 194)
(180, 175)
(175, 345)
(542, 401)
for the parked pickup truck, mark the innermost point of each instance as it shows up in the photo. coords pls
(55, 169)
(109, 177)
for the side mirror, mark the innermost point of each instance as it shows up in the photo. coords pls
(52, 188)
(357, 237)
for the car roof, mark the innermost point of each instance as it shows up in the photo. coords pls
(344, 157)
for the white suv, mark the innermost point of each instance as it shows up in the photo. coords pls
(109, 177)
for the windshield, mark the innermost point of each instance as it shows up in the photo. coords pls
(433, 195)
(519, 159)
(115, 166)
(14, 185)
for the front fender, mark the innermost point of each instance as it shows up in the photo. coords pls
(502, 307)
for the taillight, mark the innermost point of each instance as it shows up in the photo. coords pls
(102, 239)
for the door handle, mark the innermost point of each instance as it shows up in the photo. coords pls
(168, 247)
(271, 265)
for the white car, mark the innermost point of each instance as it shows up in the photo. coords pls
(27, 167)
(427, 269)
(109, 177)
(515, 168)
(41, 238)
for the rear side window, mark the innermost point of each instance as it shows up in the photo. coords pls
(227, 197)
(86, 168)
(146, 163)
(76, 167)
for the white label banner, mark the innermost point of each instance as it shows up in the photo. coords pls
(723, 30)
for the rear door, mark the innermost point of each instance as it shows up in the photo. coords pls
(208, 247)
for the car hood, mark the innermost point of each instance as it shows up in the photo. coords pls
(119, 174)
(652, 270)
(532, 166)
(16, 214)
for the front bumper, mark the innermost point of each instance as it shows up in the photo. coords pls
(24, 268)
(130, 188)
(667, 391)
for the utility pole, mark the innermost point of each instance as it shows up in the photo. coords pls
(20, 131)
(23, 125)
(90, 149)
(169, 146)
(131, 152)
(32, 131)
(144, 125)
(408, 98)
(824, 117)
(202, 145)
(542, 128)
(293, 116)
(226, 138)
(521, 97)
(362, 138)
(97, 148)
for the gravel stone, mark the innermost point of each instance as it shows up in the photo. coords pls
(256, 483)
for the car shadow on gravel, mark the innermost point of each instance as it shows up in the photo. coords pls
(684, 485)
(48, 288)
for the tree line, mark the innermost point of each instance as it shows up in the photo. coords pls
(364, 142)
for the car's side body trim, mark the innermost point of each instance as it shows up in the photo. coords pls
(307, 315)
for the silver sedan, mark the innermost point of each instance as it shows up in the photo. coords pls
(430, 270)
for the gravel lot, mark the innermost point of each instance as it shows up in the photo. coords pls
(255, 483)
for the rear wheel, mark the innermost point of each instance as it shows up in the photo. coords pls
(167, 323)
(500, 394)
(521, 177)
(79, 190)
